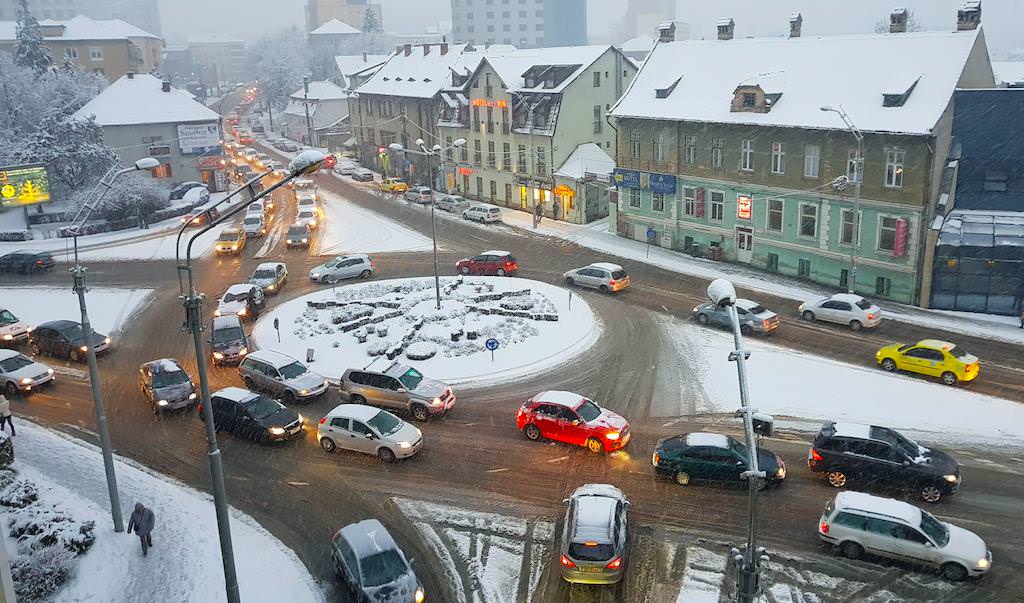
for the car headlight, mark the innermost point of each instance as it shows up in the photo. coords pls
(49, 371)
(950, 478)
(106, 340)
(271, 287)
(161, 402)
(305, 240)
(218, 356)
(26, 380)
(612, 435)
(420, 597)
(780, 472)
(8, 337)
(242, 312)
(435, 401)
(302, 419)
(404, 445)
(243, 351)
(192, 396)
(216, 312)
(983, 564)
(303, 391)
(277, 430)
(313, 274)
(696, 308)
(85, 348)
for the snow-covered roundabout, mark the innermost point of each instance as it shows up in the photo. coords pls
(536, 325)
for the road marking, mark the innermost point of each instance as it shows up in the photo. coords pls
(561, 458)
(664, 308)
(497, 470)
(269, 244)
(297, 484)
(71, 372)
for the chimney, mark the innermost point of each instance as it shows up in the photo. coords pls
(131, 75)
(407, 49)
(444, 48)
(726, 28)
(166, 86)
(667, 31)
(795, 21)
(898, 20)
(969, 16)
(426, 49)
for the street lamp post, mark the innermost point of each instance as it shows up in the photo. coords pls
(858, 176)
(78, 272)
(305, 163)
(722, 293)
(305, 103)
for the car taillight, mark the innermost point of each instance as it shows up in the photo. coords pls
(872, 316)
(611, 282)
(509, 264)
(39, 262)
(323, 420)
(823, 528)
(566, 561)
(816, 456)
(614, 563)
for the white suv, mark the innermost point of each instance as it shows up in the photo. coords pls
(843, 308)
(859, 523)
(254, 226)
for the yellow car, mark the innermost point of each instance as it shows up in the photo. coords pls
(393, 185)
(932, 357)
(230, 241)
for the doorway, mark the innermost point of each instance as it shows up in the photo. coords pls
(744, 245)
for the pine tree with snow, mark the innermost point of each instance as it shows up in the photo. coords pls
(30, 50)
(370, 23)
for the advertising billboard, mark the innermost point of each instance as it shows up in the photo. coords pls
(196, 139)
(22, 185)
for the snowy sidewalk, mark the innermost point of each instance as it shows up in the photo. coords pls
(185, 563)
(596, 236)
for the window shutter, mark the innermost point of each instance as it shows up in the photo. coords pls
(700, 203)
(900, 247)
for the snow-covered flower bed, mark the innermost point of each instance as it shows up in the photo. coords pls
(398, 320)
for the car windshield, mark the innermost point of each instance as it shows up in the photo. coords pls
(252, 221)
(297, 232)
(261, 274)
(263, 407)
(958, 352)
(906, 446)
(904, 347)
(229, 236)
(305, 214)
(619, 274)
(738, 448)
(166, 378)
(382, 568)
(583, 551)
(14, 363)
(303, 185)
(227, 334)
(864, 304)
(233, 297)
(6, 318)
(293, 370)
(757, 310)
(934, 528)
(73, 332)
(385, 423)
(588, 411)
(411, 379)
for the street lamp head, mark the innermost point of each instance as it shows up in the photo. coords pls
(436, 148)
(827, 108)
(306, 162)
(396, 147)
(419, 142)
(460, 142)
(721, 292)
(147, 163)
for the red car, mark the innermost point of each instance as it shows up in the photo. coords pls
(497, 263)
(246, 139)
(573, 419)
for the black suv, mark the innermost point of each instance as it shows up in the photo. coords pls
(254, 416)
(64, 339)
(878, 455)
(26, 262)
(713, 457)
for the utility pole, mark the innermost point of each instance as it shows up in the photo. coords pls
(305, 103)
(858, 177)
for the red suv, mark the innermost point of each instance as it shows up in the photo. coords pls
(498, 263)
(573, 419)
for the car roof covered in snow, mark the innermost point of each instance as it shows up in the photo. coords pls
(898, 509)
(360, 412)
(715, 440)
(605, 266)
(494, 251)
(852, 430)
(239, 288)
(59, 325)
(746, 304)
(367, 537)
(6, 353)
(226, 322)
(607, 490)
(853, 298)
(935, 344)
(275, 359)
(269, 265)
(595, 516)
(163, 365)
(563, 398)
(235, 394)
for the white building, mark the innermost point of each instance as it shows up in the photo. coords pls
(328, 113)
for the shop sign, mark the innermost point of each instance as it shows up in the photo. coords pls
(209, 162)
(564, 191)
(744, 207)
(626, 178)
(198, 139)
(24, 185)
(662, 183)
(483, 102)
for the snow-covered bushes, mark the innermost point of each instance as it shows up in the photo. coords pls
(420, 350)
(20, 494)
(36, 527)
(350, 312)
(41, 572)
(6, 450)
(378, 347)
(517, 303)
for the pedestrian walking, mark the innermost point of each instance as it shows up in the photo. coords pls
(5, 414)
(538, 213)
(555, 207)
(142, 521)
(1021, 321)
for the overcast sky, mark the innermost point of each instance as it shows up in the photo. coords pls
(250, 19)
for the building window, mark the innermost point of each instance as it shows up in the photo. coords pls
(476, 153)
(659, 146)
(717, 206)
(506, 156)
(491, 160)
(597, 79)
(775, 211)
(597, 119)
(464, 154)
(479, 187)
(634, 144)
(161, 171)
(542, 167)
(773, 262)
(808, 221)
(690, 201)
(853, 165)
(882, 286)
(476, 119)
(658, 201)
(812, 159)
(159, 150)
(448, 148)
(717, 148)
(634, 198)
(749, 100)
(747, 155)
(803, 268)
(70, 52)
(690, 149)
(494, 190)
(95, 54)
(778, 158)
(508, 193)
(847, 228)
(887, 234)
(521, 159)
(504, 120)
(894, 168)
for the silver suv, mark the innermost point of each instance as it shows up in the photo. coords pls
(282, 376)
(372, 566)
(594, 535)
(398, 387)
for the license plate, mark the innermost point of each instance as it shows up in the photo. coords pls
(626, 439)
(295, 429)
(591, 569)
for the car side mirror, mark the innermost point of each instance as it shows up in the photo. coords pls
(906, 463)
(368, 436)
(928, 543)
(565, 501)
(575, 421)
(402, 390)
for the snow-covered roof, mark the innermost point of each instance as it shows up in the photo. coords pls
(140, 99)
(368, 537)
(213, 38)
(852, 298)
(83, 28)
(240, 288)
(599, 490)
(641, 43)
(715, 440)
(852, 430)
(496, 252)
(809, 72)
(746, 304)
(416, 75)
(354, 411)
(596, 513)
(350, 64)
(877, 504)
(983, 228)
(1009, 72)
(275, 359)
(606, 266)
(236, 394)
(321, 90)
(6, 353)
(562, 398)
(588, 157)
(511, 65)
(334, 27)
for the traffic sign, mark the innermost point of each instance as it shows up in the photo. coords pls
(492, 344)
(650, 233)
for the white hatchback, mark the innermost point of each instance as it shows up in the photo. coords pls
(482, 213)
(843, 308)
(306, 217)
(452, 203)
(254, 225)
(342, 267)
(19, 373)
(369, 430)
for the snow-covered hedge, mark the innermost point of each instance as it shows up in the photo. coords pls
(17, 235)
(420, 350)
(6, 450)
(37, 527)
(20, 494)
(41, 572)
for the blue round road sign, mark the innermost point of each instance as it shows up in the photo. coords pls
(492, 344)
(650, 232)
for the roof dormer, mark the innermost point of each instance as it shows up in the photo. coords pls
(666, 90)
(758, 94)
(898, 90)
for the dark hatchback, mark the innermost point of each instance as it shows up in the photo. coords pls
(712, 457)
(26, 262)
(228, 342)
(254, 416)
(166, 385)
(64, 339)
(869, 454)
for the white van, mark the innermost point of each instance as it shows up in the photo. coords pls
(483, 214)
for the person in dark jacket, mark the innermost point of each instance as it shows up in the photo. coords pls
(142, 521)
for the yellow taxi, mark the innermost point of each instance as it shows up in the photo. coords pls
(931, 357)
(393, 185)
